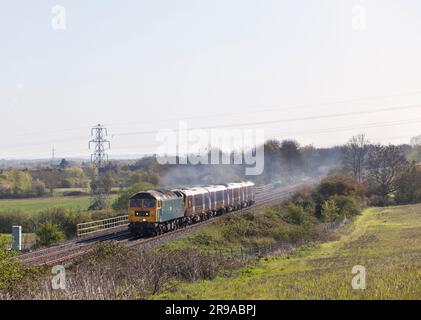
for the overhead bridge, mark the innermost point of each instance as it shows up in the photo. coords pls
(100, 226)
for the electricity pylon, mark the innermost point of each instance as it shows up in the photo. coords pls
(99, 159)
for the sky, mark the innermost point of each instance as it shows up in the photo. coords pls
(318, 71)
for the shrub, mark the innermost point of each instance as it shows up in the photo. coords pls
(340, 185)
(98, 203)
(295, 214)
(329, 211)
(48, 235)
(347, 205)
(74, 193)
(305, 198)
(65, 219)
(10, 269)
(67, 183)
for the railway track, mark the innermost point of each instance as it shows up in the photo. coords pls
(265, 196)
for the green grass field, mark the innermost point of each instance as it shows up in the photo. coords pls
(37, 204)
(386, 241)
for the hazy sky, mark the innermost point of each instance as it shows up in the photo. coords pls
(128, 64)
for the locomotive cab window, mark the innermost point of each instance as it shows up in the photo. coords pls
(135, 203)
(149, 203)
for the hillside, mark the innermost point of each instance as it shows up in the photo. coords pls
(386, 241)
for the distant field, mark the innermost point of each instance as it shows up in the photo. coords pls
(387, 242)
(36, 204)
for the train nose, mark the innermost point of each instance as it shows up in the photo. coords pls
(142, 213)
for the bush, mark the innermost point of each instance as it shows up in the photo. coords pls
(330, 212)
(295, 214)
(305, 198)
(67, 183)
(347, 205)
(11, 270)
(340, 185)
(74, 193)
(48, 235)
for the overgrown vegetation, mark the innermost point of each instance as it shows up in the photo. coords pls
(48, 234)
(385, 241)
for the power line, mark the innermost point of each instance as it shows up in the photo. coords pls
(304, 106)
(233, 125)
(369, 125)
(337, 115)
(14, 146)
(189, 117)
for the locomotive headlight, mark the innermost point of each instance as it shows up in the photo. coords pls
(144, 220)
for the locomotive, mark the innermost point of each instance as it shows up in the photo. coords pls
(155, 212)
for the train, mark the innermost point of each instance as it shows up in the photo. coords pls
(155, 212)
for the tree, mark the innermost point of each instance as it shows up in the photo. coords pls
(290, 153)
(48, 234)
(272, 152)
(355, 155)
(153, 178)
(135, 178)
(63, 164)
(108, 182)
(50, 177)
(15, 183)
(385, 165)
(38, 188)
(409, 186)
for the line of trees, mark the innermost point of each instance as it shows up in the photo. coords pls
(385, 171)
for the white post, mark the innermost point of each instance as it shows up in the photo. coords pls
(17, 238)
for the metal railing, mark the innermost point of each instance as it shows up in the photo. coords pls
(92, 227)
